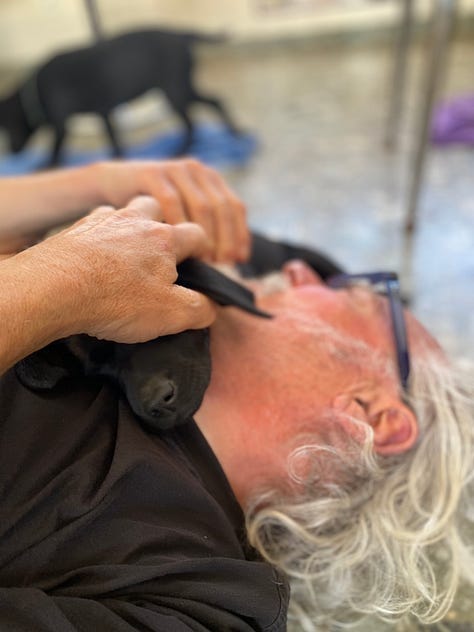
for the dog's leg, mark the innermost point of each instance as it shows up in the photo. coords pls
(185, 144)
(219, 107)
(59, 136)
(117, 150)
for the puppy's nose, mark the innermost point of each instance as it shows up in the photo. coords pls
(163, 396)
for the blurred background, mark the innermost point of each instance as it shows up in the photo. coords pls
(334, 155)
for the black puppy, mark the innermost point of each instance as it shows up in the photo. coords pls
(98, 78)
(165, 379)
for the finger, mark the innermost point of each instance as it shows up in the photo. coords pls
(190, 240)
(168, 196)
(145, 206)
(220, 214)
(191, 310)
(229, 243)
(237, 215)
(196, 207)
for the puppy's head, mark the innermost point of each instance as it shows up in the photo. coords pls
(164, 379)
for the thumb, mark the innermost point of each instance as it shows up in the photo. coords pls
(189, 310)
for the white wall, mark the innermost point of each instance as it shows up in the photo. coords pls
(32, 29)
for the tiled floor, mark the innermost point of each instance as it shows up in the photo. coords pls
(322, 177)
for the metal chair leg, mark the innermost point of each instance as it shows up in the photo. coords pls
(398, 82)
(443, 20)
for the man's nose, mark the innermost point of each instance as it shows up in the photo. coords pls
(300, 273)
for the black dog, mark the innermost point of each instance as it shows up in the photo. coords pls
(164, 380)
(98, 78)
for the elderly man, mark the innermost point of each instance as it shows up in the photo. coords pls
(350, 469)
(344, 436)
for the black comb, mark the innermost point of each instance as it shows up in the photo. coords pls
(199, 276)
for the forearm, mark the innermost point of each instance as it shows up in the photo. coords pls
(36, 306)
(38, 202)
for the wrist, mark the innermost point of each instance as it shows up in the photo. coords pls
(57, 197)
(116, 183)
(38, 305)
(93, 179)
(78, 191)
(104, 180)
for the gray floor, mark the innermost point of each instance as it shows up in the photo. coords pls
(322, 177)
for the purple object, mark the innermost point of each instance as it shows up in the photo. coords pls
(453, 121)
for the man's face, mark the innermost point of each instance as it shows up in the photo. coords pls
(320, 340)
(324, 349)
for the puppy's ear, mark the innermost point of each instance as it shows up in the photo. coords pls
(45, 368)
(97, 357)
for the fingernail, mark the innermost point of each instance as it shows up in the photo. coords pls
(143, 198)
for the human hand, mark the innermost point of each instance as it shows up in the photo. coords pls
(114, 273)
(186, 190)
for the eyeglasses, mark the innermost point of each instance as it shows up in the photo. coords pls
(385, 283)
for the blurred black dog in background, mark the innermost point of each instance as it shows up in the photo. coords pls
(97, 78)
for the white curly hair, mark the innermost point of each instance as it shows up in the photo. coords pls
(387, 539)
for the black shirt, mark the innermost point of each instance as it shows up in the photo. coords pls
(106, 527)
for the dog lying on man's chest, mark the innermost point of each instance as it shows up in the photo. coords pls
(164, 380)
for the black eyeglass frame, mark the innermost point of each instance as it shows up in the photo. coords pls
(392, 290)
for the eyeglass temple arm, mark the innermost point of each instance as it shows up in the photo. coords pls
(401, 342)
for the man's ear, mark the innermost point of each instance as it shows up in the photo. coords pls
(395, 429)
(394, 425)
